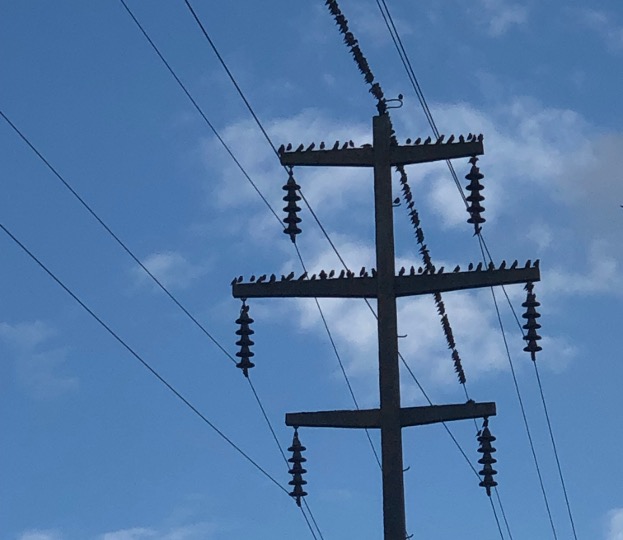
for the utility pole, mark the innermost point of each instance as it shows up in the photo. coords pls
(385, 286)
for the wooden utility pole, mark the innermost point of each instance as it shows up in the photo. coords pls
(386, 286)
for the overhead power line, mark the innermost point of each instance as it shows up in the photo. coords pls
(140, 359)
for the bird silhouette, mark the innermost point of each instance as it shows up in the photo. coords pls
(336, 145)
(440, 139)
(313, 277)
(514, 265)
(300, 147)
(322, 145)
(427, 140)
(457, 268)
(261, 278)
(342, 273)
(440, 271)
(479, 267)
(470, 267)
(537, 262)
(362, 271)
(240, 278)
(322, 275)
(412, 271)
(233, 281)
(290, 276)
(289, 147)
(273, 278)
(450, 139)
(461, 138)
(418, 140)
(528, 263)
(402, 271)
(351, 144)
(252, 279)
(311, 147)
(282, 149)
(303, 276)
(408, 141)
(331, 273)
(502, 266)
(345, 145)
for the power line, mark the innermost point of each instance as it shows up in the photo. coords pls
(115, 237)
(138, 357)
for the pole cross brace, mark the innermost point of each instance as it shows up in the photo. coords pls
(409, 416)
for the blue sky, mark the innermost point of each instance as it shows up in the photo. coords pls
(95, 448)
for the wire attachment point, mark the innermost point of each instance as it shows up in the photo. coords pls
(292, 220)
(297, 471)
(245, 341)
(474, 198)
(487, 460)
(531, 315)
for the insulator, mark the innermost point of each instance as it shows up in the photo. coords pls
(531, 315)
(297, 471)
(245, 341)
(292, 209)
(474, 198)
(487, 460)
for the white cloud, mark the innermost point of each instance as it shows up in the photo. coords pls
(615, 524)
(38, 365)
(171, 268)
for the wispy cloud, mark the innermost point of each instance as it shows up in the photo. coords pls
(40, 535)
(197, 531)
(38, 365)
(501, 15)
(605, 25)
(615, 524)
(171, 268)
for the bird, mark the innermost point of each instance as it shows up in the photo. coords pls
(313, 277)
(289, 147)
(261, 278)
(322, 145)
(322, 275)
(440, 271)
(427, 140)
(537, 262)
(469, 137)
(402, 271)
(408, 141)
(290, 276)
(480, 137)
(351, 144)
(412, 271)
(420, 270)
(252, 279)
(282, 149)
(310, 147)
(345, 145)
(234, 281)
(514, 265)
(461, 138)
(350, 274)
(479, 267)
(362, 271)
(502, 266)
(450, 139)
(336, 145)
(273, 278)
(240, 278)
(373, 272)
(342, 273)
(331, 273)
(440, 139)
(418, 140)
(528, 263)
(491, 266)
(470, 267)
(300, 147)
(457, 268)
(303, 276)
